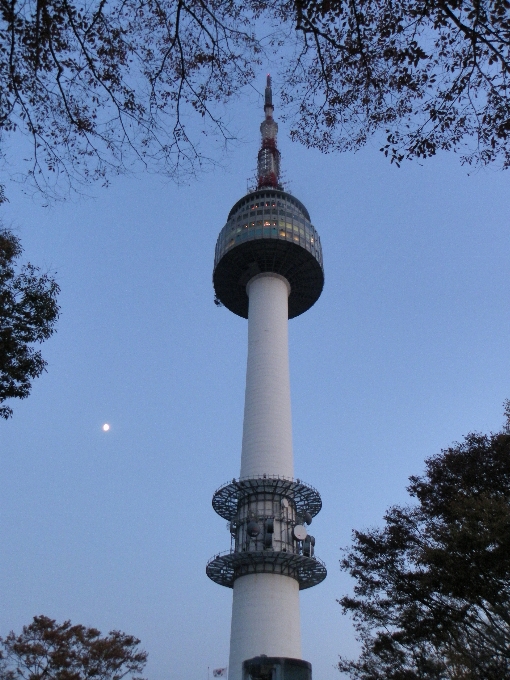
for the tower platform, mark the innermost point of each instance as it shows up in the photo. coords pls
(225, 567)
(306, 499)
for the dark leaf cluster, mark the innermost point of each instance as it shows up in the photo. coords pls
(28, 314)
(46, 650)
(105, 86)
(432, 74)
(432, 594)
(100, 87)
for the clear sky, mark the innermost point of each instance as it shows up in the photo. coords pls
(405, 352)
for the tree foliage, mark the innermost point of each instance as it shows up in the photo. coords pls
(46, 650)
(103, 85)
(432, 594)
(28, 314)
(433, 74)
(100, 85)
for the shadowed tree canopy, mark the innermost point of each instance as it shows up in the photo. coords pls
(431, 74)
(432, 593)
(52, 651)
(28, 314)
(103, 86)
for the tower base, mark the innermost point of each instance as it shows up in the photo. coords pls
(276, 668)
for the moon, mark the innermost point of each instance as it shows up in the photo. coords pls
(106, 427)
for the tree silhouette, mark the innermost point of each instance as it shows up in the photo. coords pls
(28, 314)
(432, 593)
(52, 651)
(104, 87)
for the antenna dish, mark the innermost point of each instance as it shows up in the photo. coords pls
(299, 532)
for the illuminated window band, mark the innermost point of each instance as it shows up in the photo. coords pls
(269, 215)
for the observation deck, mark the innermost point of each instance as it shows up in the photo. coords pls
(268, 231)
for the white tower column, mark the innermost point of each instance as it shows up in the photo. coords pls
(265, 607)
(265, 620)
(267, 429)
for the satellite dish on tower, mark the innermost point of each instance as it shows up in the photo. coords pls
(299, 532)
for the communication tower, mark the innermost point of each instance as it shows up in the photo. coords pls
(268, 269)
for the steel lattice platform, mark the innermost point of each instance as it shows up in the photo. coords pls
(225, 499)
(225, 568)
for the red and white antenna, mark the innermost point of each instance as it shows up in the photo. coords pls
(268, 164)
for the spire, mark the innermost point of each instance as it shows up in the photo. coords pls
(268, 165)
(269, 94)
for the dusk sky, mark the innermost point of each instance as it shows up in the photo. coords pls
(405, 352)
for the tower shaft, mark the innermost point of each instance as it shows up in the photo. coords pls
(267, 428)
(265, 620)
(260, 599)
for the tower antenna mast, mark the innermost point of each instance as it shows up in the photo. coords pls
(268, 161)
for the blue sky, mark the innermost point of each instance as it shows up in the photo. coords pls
(405, 352)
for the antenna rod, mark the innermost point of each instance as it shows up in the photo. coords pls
(268, 163)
